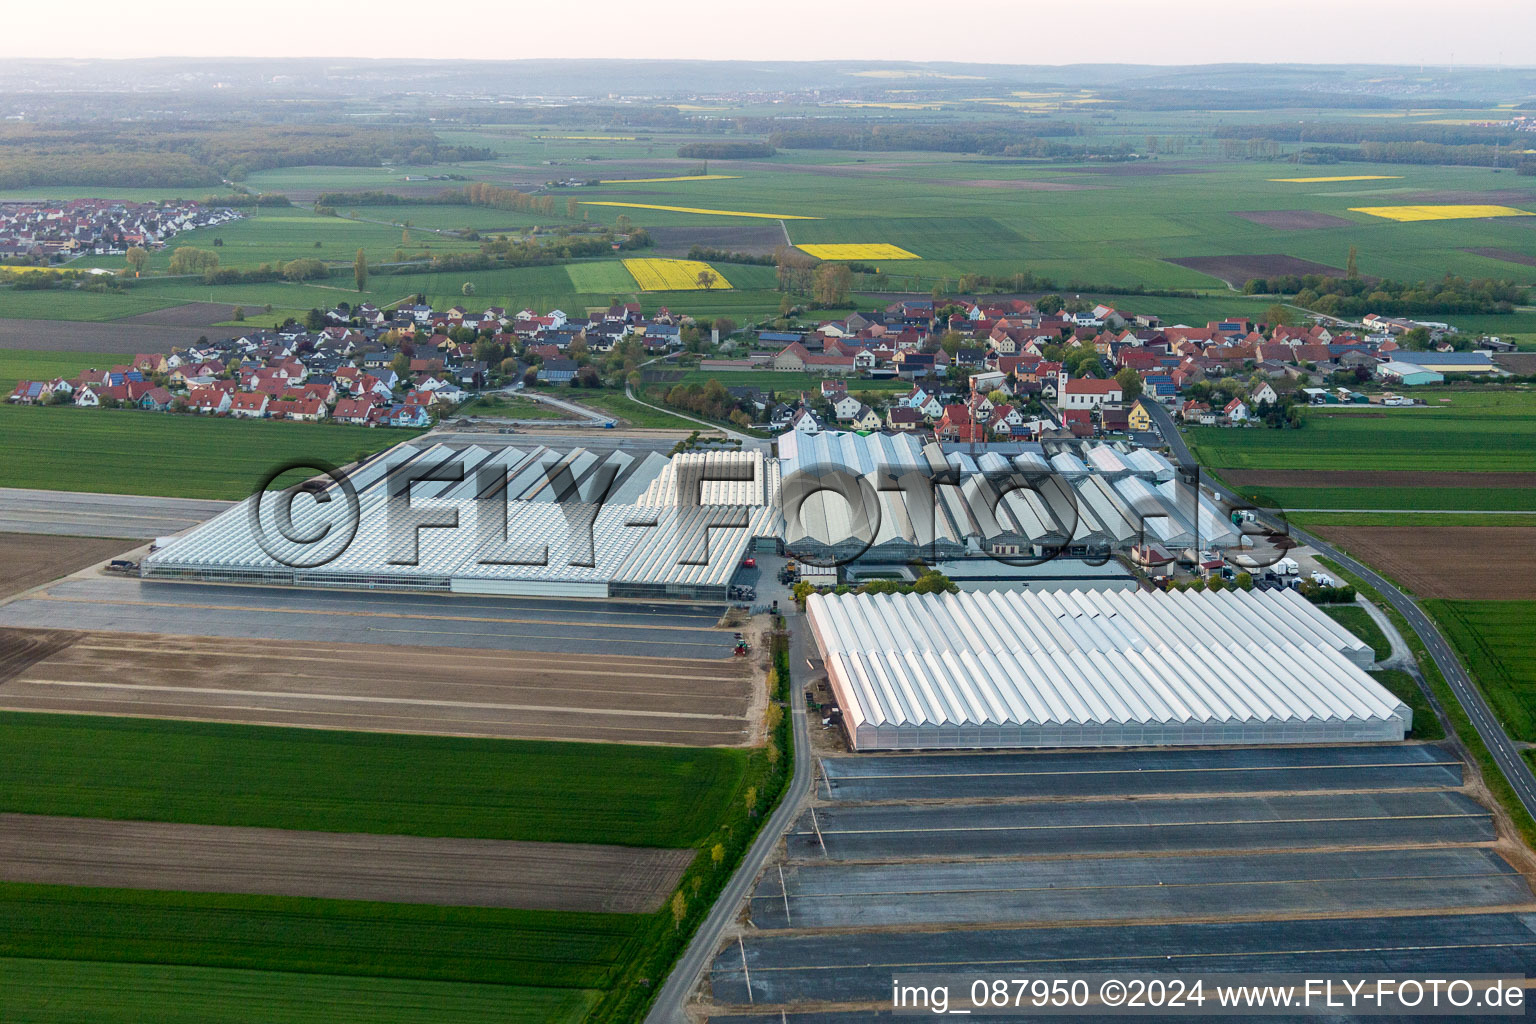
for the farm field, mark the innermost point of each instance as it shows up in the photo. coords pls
(277, 235)
(42, 849)
(132, 452)
(31, 559)
(1318, 520)
(596, 278)
(558, 950)
(958, 214)
(425, 690)
(1444, 497)
(218, 774)
(1478, 429)
(664, 275)
(1456, 562)
(30, 364)
(37, 990)
(1493, 639)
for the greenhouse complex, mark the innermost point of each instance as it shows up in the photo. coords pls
(1066, 668)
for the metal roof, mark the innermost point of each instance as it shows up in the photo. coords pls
(556, 522)
(1095, 668)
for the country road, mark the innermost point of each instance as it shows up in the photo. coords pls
(1503, 749)
(673, 995)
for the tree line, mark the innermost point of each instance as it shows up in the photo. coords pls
(1356, 296)
(176, 154)
(725, 149)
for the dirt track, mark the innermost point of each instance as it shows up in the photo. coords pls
(32, 559)
(1456, 562)
(1372, 478)
(446, 691)
(337, 865)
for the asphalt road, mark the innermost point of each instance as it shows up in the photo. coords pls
(1514, 767)
(668, 1006)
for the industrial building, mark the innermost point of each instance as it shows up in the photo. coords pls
(1071, 668)
(890, 499)
(503, 520)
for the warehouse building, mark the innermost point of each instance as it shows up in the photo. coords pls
(1071, 668)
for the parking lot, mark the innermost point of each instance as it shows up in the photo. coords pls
(1371, 858)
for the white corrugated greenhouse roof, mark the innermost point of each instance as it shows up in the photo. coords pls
(1048, 668)
(555, 526)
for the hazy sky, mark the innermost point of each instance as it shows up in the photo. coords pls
(995, 31)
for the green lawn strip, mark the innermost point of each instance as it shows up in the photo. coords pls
(129, 451)
(540, 948)
(1440, 499)
(1494, 641)
(1426, 726)
(1475, 429)
(1359, 622)
(25, 364)
(1314, 520)
(216, 774)
(45, 991)
(1493, 777)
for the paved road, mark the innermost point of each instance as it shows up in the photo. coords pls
(668, 1007)
(1505, 754)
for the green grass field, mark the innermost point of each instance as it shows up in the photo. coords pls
(1426, 726)
(1359, 622)
(1494, 641)
(1444, 499)
(363, 782)
(128, 451)
(52, 991)
(1475, 429)
(23, 364)
(1309, 520)
(277, 235)
(542, 949)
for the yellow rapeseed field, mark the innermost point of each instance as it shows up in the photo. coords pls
(681, 177)
(659, 275)
(859, 251)
(1343, 177)
(1413, 213)
(693, 209)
